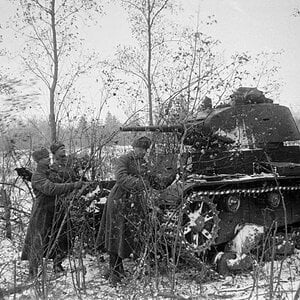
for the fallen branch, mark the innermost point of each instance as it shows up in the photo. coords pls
(172, 296)
(242, 289)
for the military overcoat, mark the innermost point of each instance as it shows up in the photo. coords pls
(61, 173)
(127, 194)
(40, 233)
(126, 206)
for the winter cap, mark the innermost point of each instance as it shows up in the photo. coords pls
(142, 142)
(39, 154)
(55, 146)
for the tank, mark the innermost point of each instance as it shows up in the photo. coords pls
(242, 165)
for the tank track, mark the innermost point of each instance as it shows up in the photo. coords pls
(250, 191)
(207, 196)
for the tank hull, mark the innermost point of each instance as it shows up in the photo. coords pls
(253, 193)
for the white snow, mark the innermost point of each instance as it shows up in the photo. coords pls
(257, 284)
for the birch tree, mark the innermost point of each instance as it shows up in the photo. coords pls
(149, 28)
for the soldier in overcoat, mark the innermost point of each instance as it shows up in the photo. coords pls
(60, 168)
(61, 172)
(125, 202)
(42, 232)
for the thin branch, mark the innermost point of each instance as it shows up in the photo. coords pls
(158, 12)
(37, 72)
(42, 7)
(41, 40)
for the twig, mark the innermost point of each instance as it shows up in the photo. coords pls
(172, 296)
(12, 184)
(297, 295)
(15, 278)
(241, 289)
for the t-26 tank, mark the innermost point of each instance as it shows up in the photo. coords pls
(242, 165)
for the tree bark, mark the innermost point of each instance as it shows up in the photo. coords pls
(52, 120)
(7, 213)
(149, 83)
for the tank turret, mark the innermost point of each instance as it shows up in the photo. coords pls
(251, 120)
(250, 130)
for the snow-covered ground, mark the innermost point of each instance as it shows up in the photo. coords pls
(279, 280)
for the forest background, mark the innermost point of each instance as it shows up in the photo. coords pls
(78, 71)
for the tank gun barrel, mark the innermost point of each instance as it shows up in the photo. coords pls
(162, 128)
(196, 131)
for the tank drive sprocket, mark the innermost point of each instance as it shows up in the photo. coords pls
(200, 222)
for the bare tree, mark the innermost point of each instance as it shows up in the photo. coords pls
(178, 67)
(196, 71)
(148, 24)
(53, 50)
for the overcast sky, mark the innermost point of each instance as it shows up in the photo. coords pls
(243, 25)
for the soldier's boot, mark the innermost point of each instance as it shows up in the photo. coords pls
(106, 273)
(33, 270)
(120, 267)
(114, 275)
(57, 265)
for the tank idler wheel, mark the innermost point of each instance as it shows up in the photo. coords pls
(200, 223)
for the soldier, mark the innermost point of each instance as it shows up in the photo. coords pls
(60, 172)
(124, 203)
(42, 232)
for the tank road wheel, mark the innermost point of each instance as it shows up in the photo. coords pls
(200, 223)
(273, 200)
(232, 203)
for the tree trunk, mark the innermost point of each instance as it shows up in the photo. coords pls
(7, 205)
(52, 120)
(92, 152)
(149, 83)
